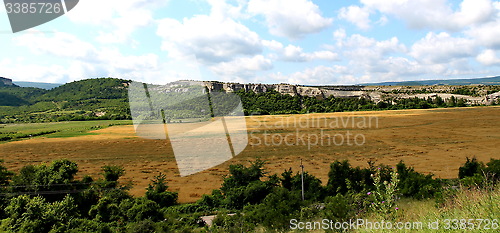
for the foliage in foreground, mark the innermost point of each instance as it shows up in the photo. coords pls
(48, 198)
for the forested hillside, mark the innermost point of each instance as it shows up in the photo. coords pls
(101, 98)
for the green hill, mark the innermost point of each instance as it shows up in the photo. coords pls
(17, 96)
(100, 88)
(101, 98)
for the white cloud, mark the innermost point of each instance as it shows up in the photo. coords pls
(487, 35)
(210, 39)
(364, 51)
(83, 59)
(435, 14)
(124, 26)
(370, 60)
(222, 9)
(68, 46)
(295, 54)
(273, 45)
(117, 18)
(18, 71)
(489, 57)
(293, 19)
(244, 67)
(474, 12)
(317, 75)
(356, 15)
(121, 63)
(382, 21)
(442, 48)
(60, 44)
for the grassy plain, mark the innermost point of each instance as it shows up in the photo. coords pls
(433, 141)
(56, 129)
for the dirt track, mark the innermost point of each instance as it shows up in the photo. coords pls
(433, 141)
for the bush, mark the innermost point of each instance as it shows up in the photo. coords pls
(276, 209)
(470, 167)
(5, 175)
(34, 214)
(416, 185)
(224, 222)
(85, 225)
(157, 192)
(212, 201)
(493, 169)
(106, 210)
(339, 208)
(313, 190)
(112, 174)
(342, 178)
(243, 185)
(140, 209)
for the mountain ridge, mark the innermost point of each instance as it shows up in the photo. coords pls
(46, 86)
(495, 80)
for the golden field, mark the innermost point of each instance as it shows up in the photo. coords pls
(432, 141)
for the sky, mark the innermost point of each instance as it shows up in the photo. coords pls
(323, 42)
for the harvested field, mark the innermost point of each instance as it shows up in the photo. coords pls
(432, 141)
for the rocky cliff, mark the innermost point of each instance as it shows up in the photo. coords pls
(375, 93)
(6, 82)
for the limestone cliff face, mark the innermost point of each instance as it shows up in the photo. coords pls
(312, 91)
(373, 93)
(6, 81)
(492, 98)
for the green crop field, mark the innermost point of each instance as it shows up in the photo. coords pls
(10, 132)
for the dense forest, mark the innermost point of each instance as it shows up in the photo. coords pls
(107, 98)
(48, 198)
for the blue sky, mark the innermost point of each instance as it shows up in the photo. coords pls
(264, 41)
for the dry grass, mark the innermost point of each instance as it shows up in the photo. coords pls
(480, 207)
(433, 141)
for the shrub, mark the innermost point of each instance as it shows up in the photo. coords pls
(276, 209)
(416, 185)
(140, 209)
(85, 225)
(106, 210)
(342, 178)
(157, 192)
(384, 195)
(112, 174)
(34, 214)
(339, 208)
(212, 201)
(470, 167)
(5, 175)
(313, 190)
(493, 169)
(243, 185)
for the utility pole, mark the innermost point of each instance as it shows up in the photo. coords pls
(302, 178)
